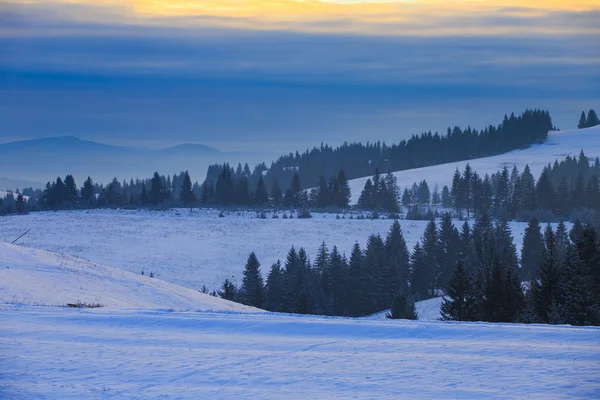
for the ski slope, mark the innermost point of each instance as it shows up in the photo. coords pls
(557, 147)
(197, 248)
(54, 353)
(29, 276)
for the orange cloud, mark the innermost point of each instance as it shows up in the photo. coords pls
(424, 17)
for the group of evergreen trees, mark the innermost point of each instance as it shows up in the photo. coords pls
(157, 191)
(380, 193)
(562, 189)
(563, 268)
(589, 121)
(358, 159)
(240, 187)
(332, 284)
(476, 268)
(9, 204)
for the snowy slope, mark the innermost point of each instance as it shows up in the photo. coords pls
(50, 353)
(29, 276)
(558, 146)
(192, 249)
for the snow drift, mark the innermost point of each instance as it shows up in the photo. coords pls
(32, 276)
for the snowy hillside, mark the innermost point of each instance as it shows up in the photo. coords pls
(192, 249)
(558, 146)
(51, 353)
(29, 276)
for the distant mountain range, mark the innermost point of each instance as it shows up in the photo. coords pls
(41, 160)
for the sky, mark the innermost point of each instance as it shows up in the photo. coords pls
(286, 74)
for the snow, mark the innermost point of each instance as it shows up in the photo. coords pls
(195, 248)
(557, 147)
(54, 353)
(427, 310)
(29, 276)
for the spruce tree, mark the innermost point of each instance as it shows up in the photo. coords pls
(186, 195)
(546, 293)
(592, 119)
(156, 190)
(356, 282)
(459, 305)
(274, 291)
(397, 261)
(402, 307)
(420, 274)
(252, 290)
(448, 251)
(532, 251)
(228, 291)
(276, 194)
(87, 192)
(70, 190)
(260, 195)
(446, 198)
(430, 248)
(582, 121)
(344, 195)
(365, 201)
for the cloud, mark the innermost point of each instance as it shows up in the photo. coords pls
(120, 73)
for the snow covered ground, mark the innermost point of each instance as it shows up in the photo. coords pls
(427, 310)
(558, 146)
(192, 249)
(29, 276)
(54, 353)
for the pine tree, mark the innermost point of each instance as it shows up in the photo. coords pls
(402, 307)
(344, 195)
(446, 198)
(365, 201)
(430, 248)
(397, 261)
(420, 274)
(186, 195)
(546, 292)
(260, 195)
(435, 196)
(532, 251)
(582, 121)
(20, 204)
(156, 190)
(70, 190)
(448, 251)
(252, 290)
(276, 194)
(228, 291)
(274, 291)
(459, 306)
(356, 282)
(295, 190)
(375, 281)
(87, 192)
(592, 119)
(457, 198)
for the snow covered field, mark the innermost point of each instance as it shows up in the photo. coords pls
(192, 249)
(51, 353)
(558, 146)
(29, 276)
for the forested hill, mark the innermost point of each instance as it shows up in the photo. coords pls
(361, 159)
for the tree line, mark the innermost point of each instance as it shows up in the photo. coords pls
(566, 189)
(361, 159)
(476, 269)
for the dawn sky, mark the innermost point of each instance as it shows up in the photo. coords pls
(284, 74)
